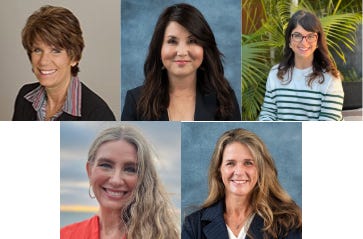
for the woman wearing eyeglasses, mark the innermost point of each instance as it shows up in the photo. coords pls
(306, 85)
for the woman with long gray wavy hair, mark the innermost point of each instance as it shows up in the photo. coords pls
(123, 179)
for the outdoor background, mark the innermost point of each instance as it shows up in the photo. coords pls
(75, 141)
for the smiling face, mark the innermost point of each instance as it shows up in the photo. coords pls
(113, 174)
(304, 49)
(51, 65)
(180, 53)
(238, 170)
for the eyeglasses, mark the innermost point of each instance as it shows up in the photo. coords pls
(297, 37)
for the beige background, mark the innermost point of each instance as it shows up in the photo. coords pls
(100, 64)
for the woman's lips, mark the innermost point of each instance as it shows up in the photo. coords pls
(47, 72)
(240, 181)
(115, 193)
(181, 62)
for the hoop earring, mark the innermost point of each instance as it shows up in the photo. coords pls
(90, 192)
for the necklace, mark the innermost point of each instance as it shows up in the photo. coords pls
(237, 224)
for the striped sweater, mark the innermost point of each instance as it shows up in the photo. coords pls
(298, 101)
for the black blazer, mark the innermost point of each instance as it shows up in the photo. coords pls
(92, 106)
(208, 223)
(205, 108)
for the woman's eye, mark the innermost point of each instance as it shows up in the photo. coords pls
(105, 165)
(56, 50)
(171, 41)
(130, 169)
(248, 163)
(36, 50)
(192, 41)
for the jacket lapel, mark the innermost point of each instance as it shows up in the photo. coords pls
(255, 230)
(205, 107)
(212, 218)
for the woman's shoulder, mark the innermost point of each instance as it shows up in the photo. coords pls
(275, 67)
(273, 71)
(209, 212)
(84, 229)
(135, 91)
(28, 87)
(90, 94)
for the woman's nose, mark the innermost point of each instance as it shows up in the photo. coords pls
(117, 178)
(182, 49)
(239, 169)
(44, 58)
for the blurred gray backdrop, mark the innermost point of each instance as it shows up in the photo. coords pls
(100, 63)
(138, 19)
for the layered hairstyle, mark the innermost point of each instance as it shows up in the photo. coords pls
(57, 27)
(322, 61)
(268, 199)
(148, 213)
(210, 75)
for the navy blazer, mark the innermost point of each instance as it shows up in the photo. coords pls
(205, 107)
(208, 223)
(92, 107)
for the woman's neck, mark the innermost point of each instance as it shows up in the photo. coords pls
(182, 84)
(237, 205)
(303, 63)
(238, 213)
(111, 225)
(56, 95)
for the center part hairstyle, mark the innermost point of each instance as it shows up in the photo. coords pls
(268, 199)
(210, 75)
(322, 61)
(56, 27)
(148, 214)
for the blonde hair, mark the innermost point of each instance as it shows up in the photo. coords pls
(269, 200)
(149, 213)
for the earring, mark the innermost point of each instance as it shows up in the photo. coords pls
(163, 67)
(90, 192)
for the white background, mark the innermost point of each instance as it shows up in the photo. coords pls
(332, 179)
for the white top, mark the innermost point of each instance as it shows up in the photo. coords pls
(241, 235)
(243, 232)
(298, 101)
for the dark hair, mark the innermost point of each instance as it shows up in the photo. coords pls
(210, 75)
(322, 62)
(55, 26)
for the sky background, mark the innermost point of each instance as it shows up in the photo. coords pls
(75, 140)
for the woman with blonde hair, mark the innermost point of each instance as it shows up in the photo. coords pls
(123, 179)
(245, 197)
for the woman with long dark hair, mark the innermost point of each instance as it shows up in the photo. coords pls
(184, 75)
(306, 85)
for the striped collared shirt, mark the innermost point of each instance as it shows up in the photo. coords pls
(72, 104)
